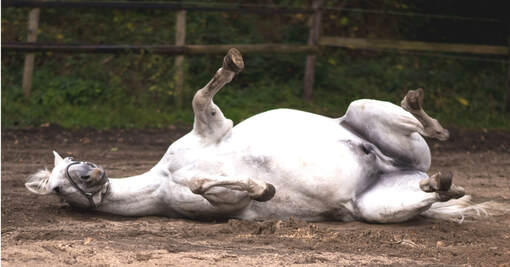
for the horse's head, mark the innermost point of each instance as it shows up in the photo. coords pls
(81, 184)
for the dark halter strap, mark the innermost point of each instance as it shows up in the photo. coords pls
(88, 195)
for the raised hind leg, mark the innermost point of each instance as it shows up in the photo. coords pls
(210, 123)
(399, 196)
(395, 131)
(391, 129)
(413, 103)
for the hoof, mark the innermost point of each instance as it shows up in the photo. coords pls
(455, 192)
(268, 193)
(233, 61)
(437, 182)
(444, 181)
(413, 101)
(443, 186)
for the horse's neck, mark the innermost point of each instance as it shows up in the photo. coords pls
(134, 196)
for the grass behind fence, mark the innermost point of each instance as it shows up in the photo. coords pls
(102, 91)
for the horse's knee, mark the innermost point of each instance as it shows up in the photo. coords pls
(356, 111)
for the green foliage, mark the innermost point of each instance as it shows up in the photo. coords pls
(121, 91)
(458, 92)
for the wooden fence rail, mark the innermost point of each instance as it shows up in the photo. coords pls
(378, 44)
(175, 6)
(158, 49)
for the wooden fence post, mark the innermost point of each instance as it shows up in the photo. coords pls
(33, 26)
(313, 38)
(180, 39)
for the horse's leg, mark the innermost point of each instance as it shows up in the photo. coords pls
(256, 190)
(398, 197)
(442, 184)
(222, 189)
(209, 120)
(395, 131)
(413, 102)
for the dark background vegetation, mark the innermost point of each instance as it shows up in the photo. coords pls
(124, 91)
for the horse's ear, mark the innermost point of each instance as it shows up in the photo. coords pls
(58, 158)
(38, 182)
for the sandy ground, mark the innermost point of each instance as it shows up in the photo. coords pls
(40, 230)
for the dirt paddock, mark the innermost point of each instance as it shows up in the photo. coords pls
(40, 230)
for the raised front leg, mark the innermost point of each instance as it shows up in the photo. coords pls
(212, 182)
(209, 120)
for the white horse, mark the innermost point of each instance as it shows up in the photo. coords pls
(368, 165)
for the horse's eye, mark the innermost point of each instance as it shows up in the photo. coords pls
(85, 177)
(56, 190)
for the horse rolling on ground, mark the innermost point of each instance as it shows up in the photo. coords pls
(368, 165)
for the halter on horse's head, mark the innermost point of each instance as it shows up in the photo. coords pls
(103, 180)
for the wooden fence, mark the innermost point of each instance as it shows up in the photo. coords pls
(314, 44)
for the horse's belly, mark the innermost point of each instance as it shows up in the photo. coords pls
(310, 159)
(313, 162)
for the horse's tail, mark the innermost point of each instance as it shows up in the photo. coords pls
(463, 209)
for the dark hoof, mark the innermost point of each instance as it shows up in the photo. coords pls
(445, 181)
(233, 61)
(437, 183)
(455, 192)
(415, 98)
(268, 193)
